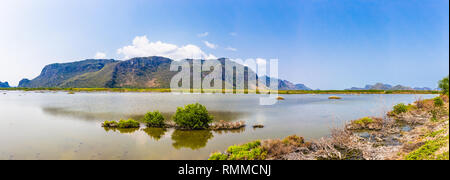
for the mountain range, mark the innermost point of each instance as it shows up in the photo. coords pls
(287, 85)
(381, 86)
(4, 85)
(142, 72)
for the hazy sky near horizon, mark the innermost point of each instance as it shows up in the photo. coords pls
(324, 44)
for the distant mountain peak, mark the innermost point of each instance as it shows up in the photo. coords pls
(381, 86)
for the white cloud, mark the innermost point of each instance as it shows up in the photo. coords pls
(142, 47)
(100, 55)
(203, 34)
(231, 49)
(210, 45)
(233, 34)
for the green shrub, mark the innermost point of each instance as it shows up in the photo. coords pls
(443, 84)
(110, 124)
(154, 119)
(435, 133)
(191, 139)
(218, 156)
(364, 120)
(193, 116)
(155, 133)
(249, 151)
(294, 140)
(400, 108)
(130, 123)
(438, 102)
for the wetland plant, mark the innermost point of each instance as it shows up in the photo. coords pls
(154, 119)
(334, 97)
(249, 151)
(400, 108)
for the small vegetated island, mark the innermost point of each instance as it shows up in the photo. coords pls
(191, 117)
(418, 131)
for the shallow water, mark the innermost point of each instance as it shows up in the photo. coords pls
(56, 125)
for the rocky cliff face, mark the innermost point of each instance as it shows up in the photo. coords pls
(144, 72)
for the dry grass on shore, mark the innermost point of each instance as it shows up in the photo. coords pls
(427, 139)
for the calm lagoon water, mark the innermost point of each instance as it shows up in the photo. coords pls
(56, 125)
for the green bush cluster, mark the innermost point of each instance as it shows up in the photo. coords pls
(249, 151)
(434, 115)
(154, 119)
(193, 116)
(438, 102)
(218, 156)
(400, 108)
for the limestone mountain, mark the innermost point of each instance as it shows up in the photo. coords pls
(381, 86)
(4, 85)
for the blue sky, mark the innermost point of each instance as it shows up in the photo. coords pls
(324, 44)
